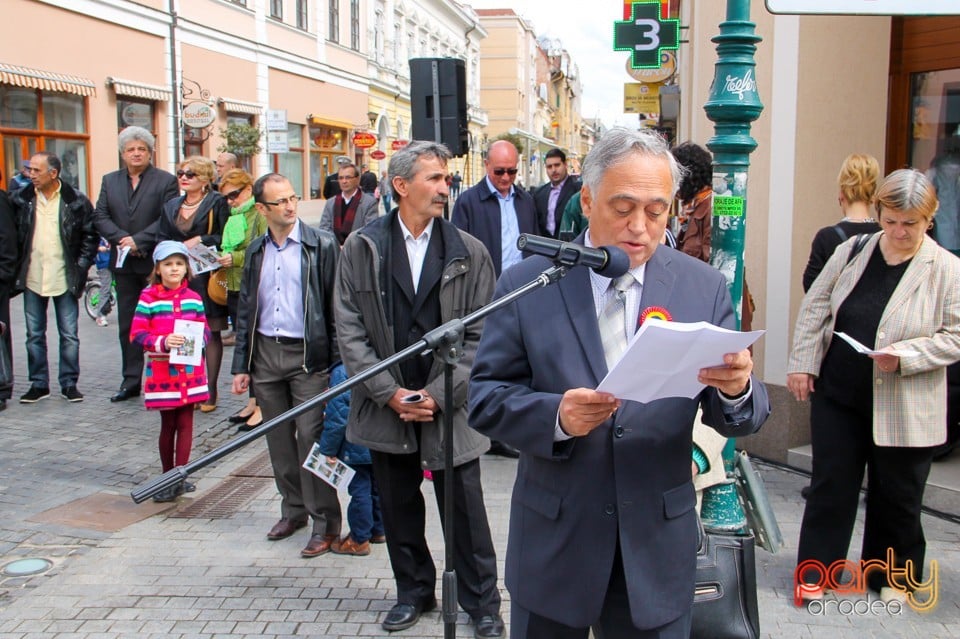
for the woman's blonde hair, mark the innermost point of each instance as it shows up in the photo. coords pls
(858, 178)
(908, 190)
(238, 178)
(204, 169)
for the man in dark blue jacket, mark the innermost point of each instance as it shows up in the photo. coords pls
(494, 211)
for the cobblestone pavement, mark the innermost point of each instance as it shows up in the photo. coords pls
(175, 576)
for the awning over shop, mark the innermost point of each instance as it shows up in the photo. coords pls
(45, 80)
(132, 89)
(239, 106)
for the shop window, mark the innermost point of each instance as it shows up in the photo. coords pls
(935, 129)
(290, 164)
(333, 34)
(33, 120)
(302, 18)
(140, 113)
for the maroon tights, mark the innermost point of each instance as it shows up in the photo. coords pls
(176, 436)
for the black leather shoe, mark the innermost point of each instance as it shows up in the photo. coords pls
(504, 450)
(126, 393)
(488, 626)
(403, 616)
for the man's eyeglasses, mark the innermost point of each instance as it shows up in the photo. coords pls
(499, 172)
(232, 195)
(293, 199)
(188, 174)
(347, 177)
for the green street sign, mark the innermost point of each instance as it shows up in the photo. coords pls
(646, 35)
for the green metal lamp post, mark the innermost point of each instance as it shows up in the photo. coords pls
(733, 105)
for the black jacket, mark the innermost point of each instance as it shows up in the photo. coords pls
(541, 198)
(77, 235)
(318, 271)
(121, 212)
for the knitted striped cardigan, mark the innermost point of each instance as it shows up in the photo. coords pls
(168, 385)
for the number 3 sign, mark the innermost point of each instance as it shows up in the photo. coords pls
(646, 34)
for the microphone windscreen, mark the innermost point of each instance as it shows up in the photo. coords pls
(617, 264)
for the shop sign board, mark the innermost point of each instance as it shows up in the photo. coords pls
(396, 145)
(199, 115)
(866, 7)
(277, 142)
(363, 140)
(378, 155)
(276, 119)
(642, 98)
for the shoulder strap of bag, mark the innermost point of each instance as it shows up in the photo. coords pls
(862, 239)
(210, 222)
(840, 232)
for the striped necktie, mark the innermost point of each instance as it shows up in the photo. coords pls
(612, 322)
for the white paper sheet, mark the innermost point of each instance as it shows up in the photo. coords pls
(122, 252)
(866, 350)
(663, 359)
(337, 474)
(192, 350)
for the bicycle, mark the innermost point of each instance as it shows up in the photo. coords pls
(91, 298)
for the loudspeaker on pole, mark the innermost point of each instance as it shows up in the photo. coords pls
(438, 100)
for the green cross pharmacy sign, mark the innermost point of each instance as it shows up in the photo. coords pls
(646, 34)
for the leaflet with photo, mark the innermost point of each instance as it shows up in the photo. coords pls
(335, 473)
(191, 352)
(866, 350)
(203, 258)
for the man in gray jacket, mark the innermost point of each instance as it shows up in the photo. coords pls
(399, 277)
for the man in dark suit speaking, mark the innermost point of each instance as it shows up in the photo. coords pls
(603, 530)
(127, 213)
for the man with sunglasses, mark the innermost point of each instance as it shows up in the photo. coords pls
(496, 212)
(127, 213)
(286, 344)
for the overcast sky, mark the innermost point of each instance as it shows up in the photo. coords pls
(586, 31)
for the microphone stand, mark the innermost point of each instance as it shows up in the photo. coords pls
(446, 342)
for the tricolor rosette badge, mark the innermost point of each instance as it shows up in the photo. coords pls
(655, 312)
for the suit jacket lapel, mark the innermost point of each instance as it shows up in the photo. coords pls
(400, 265)
(658, 281)
(432, 268)
(575, 288)
(916, 274)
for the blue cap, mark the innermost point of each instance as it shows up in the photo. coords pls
(167, 248)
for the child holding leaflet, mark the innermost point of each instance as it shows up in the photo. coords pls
(173, 389)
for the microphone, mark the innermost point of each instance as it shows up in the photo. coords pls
(608, 261)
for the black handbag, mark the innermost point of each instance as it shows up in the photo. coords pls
(725, 597)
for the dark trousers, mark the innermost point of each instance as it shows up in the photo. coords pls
(129, 286)
(6, 392)
(281, 384)
(842, 442)
(404, 518)
(614, 623)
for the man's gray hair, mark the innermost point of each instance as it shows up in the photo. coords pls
(619, 144)
(403, 164)
(136, 134)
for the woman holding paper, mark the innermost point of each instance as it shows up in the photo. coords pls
(198, 217)
(170, 387)
(898, 295)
